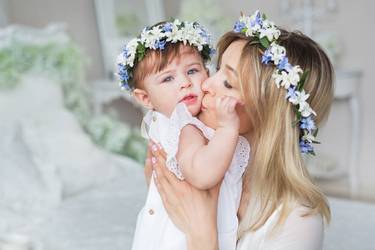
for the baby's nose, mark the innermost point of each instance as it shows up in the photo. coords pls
(186, 84)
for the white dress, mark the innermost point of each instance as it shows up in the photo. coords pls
(154, 229)
(298, 233)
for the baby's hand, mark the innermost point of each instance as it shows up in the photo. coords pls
(226, 112)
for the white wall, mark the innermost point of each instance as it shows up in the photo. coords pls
(79, 17)
(353, 23)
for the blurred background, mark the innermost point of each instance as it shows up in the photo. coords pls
(71, 154)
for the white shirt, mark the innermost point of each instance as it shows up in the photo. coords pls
(154, 229)
(297, 233)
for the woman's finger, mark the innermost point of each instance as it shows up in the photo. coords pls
(163, 184)
(172, 179)
(157, 148)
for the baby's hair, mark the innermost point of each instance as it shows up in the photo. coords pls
(156, 60)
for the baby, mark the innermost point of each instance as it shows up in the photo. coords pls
(164, 68)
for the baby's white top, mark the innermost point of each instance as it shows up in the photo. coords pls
(154, 229)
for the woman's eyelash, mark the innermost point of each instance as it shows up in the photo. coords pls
(227, 85)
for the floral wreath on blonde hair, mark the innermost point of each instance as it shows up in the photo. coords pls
(158, 37)
(291, 77)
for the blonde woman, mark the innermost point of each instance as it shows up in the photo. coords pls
(280, 206)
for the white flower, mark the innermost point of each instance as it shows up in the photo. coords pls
(278, 52)
(308, 137)
(156, 31)
(269, 30)
(299, 98)
(121, 59)
(175, 35)
(285, 79)
(294, 75)
(280, 78)
(305, 109)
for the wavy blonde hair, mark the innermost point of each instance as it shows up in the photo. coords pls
(277, 176)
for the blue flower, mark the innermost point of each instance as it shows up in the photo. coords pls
(258, 20)
(123, 73)
(126, 52)
(126, 86)
(291, 93)
(168, 27)
(306, 147)
(284, 64)
(239, 26)
(205, 36)
(267, 57)
(160, 44)
(307, 123)
(212, 52)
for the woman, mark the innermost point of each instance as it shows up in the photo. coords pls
(280, 206)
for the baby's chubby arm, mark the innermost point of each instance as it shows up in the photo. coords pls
(204, 164)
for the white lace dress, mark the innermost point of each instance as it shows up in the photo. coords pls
(154, 229)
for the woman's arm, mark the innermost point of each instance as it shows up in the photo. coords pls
(192, 210)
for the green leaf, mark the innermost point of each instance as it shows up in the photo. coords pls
(316, 132)
(264, 16)
(264, 42)
(301, 82)
(299, 115)
(295, 123)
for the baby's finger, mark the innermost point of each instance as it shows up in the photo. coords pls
(232, 105)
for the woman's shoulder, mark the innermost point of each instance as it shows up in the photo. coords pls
(302, 217)
(301, 230)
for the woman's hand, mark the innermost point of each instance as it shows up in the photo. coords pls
(192, 210)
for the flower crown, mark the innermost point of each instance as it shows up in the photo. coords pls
(291, 77)
(158, 37)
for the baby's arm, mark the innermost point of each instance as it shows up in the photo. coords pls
(204, 165)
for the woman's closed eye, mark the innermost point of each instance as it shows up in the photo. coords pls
(227, 84)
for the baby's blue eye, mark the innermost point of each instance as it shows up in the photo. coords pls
(167, 79)
(192, 71)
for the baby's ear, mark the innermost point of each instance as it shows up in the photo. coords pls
(143, 98)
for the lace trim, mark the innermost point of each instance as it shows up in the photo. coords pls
(179, 119)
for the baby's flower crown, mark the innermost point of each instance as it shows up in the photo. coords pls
(291, 77)
(157, 38)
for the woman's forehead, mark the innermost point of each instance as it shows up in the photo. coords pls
(232, 54)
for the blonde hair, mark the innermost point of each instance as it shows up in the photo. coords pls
(277, 176)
